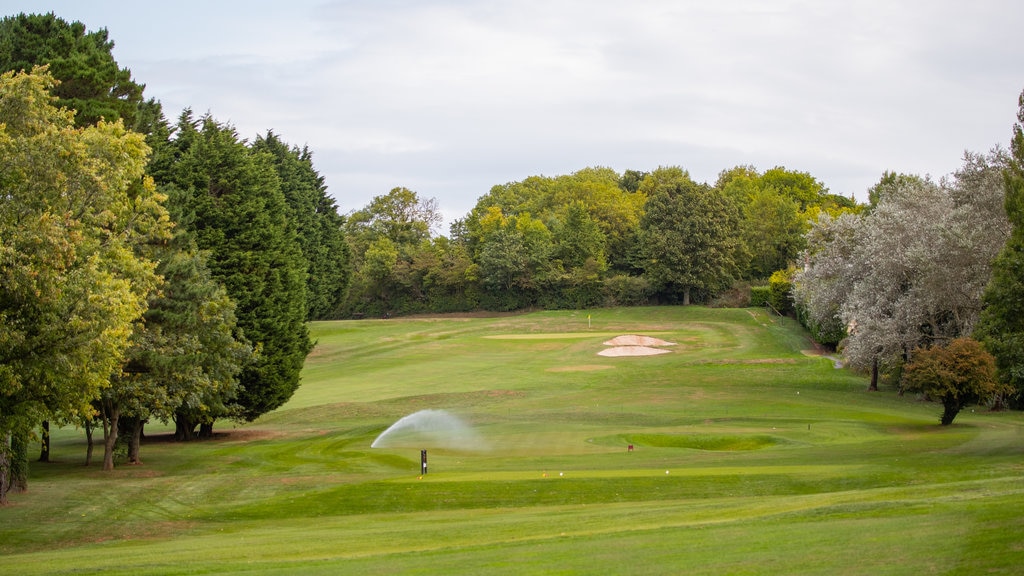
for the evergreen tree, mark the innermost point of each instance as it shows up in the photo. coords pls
(91, 82)
(318, 224)
(229, 197)
(1001, 326)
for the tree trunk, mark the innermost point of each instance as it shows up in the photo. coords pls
(184, 428)
(19, 462)
(44, 452)
(131, 427)
(873, 387)
(89, 443)
(206, 429)
(950, 409)
(686, 296)
(111, 414)
(5, 468)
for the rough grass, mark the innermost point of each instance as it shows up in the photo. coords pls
(749, 457)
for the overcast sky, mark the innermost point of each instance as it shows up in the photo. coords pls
(450, 97)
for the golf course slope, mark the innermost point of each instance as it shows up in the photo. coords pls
(731, 451)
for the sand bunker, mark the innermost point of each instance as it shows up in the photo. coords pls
(632, 351)
(634, 340)
(633, 345)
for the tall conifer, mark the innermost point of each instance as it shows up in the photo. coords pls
(1001, 326)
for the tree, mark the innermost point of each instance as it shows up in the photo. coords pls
(890, 181)
(229, 197)
(378, 269)
(823, 283)
(958, 373)
(578, 238)
(386, 236)
(777, 208)
(579, 246)
(924, 256)
(185, 356)
(773, 232)
(319, 226)
(804, 189)
(910, 273)
(400, 215)
(612, 202)
(688, 237)
(74, 205)
(90, 80)
(1001, 326)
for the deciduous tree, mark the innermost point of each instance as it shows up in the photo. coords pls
(910, 273)
(688, 237)
(957, 373)
(74, 205)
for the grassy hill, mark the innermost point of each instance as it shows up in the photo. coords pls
(751, 455)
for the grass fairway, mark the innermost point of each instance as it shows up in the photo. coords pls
(749, 456)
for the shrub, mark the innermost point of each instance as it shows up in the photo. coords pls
(760, 295)
(957, 374)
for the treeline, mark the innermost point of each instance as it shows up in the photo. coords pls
(150, 270)
(591, 238)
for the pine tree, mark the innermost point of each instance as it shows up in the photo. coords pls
(91, 82)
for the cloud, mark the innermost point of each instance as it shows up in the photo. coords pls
(451, 97)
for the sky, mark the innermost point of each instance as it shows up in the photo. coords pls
(451, 97)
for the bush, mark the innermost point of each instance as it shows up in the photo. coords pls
(738, 296)
(780, 289)
(760, 296)
(622, 290)
(957, 374)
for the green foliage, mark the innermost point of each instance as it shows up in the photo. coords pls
(688, 238)
(187, 354)
(624, 290)
(776, 209)
(1001, 326)
(91, 82)
(74, 212)
(760, 296)
(578, 238)
(891, 182)
(957, 374)
(596, 199)
(780, 288)
(319, 227)
(388, 240)
(229, 197)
